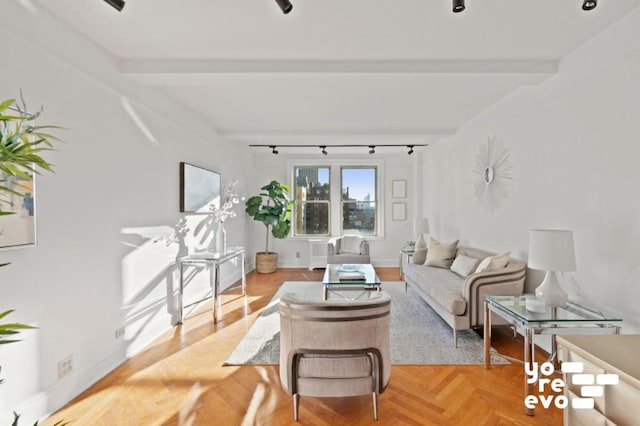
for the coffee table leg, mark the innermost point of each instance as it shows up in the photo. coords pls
(324, 292)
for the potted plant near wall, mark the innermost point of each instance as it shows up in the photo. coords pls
(272, 207)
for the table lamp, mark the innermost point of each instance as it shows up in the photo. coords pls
(420, 227)
(551, 250)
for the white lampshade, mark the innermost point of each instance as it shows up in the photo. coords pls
(551, 250)
(420, 226)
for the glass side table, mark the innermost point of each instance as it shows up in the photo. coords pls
(408, 253)
(571, 318)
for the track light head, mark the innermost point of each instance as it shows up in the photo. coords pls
(117, 4)
(410, 149)
(285, 5)
(274, 151)
(589, 4)
(324, 149)
(458, 6)
(372, 149)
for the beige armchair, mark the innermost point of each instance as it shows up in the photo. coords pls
(348, 249)
(335, 348)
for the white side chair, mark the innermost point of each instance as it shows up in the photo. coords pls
(348, 249)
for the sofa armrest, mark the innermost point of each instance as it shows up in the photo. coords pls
(333, 246)
(419, 256)
(508, 280)
(364, 248)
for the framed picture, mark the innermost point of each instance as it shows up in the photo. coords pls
(18, 221)
(199, 189)
(399, 188)
(398, 211)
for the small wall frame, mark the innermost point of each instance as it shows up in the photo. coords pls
(399, 211)
(399, 188)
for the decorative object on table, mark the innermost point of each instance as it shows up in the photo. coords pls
(199, 188)
(223, 210)
(399, 211)
(492, 174)
(551, 250)
(273, 208)
(409, 246)
(420, 227)
(399, 188)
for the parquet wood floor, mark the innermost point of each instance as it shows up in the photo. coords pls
(180, 380)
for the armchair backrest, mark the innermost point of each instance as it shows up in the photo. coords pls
(350, 244)
(337, 326)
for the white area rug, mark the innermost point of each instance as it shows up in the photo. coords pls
(418, 335)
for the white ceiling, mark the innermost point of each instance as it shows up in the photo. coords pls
(348, 71)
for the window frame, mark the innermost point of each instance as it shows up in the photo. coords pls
(295, 210)
(335, 180)
(376, 190)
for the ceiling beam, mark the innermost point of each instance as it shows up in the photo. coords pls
(166, 70)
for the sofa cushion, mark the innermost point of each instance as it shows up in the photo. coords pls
(464, 265)
(441, 255)
(493, 263)
(445, 287)
(350, 244)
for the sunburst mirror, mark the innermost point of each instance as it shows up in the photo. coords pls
(492, 174)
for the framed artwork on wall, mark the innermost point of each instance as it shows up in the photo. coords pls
(199, 189)
(398, 211)
(399, 188)
(18, 218)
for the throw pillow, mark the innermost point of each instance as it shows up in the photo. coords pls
(464, 265)
(441, 255)
(350, 244)
(492, 263)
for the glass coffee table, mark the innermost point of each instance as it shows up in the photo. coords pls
(571, 318)
(359, 277)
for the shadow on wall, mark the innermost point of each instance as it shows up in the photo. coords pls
(150, 277)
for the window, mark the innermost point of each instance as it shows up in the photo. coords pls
(313, 200)
(359, 199)
(340, 197)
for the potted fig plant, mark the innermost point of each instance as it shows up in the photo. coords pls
(272, 207)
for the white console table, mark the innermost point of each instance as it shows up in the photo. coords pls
(213, 260)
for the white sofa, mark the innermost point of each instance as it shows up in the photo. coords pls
(460, 301)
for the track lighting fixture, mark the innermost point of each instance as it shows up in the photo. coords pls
(323, 148)
(285, 5)
(117, 4)
(458, 6)
(589, 4)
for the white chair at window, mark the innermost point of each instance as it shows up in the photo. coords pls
(348, 249)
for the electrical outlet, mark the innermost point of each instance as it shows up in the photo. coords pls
(119, 333)
(65, 366)
(297, 255)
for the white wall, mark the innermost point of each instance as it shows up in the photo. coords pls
(385, 249)
(575, 146)
(105, 220)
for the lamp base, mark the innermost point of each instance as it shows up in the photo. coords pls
(550, 291)
(421, 243)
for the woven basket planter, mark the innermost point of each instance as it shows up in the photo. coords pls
(266, 263)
